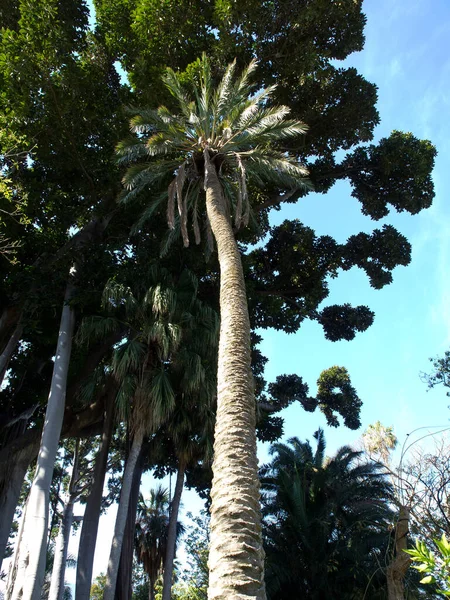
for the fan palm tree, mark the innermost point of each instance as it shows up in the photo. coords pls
(166, 353)
(151, 534)
(326, 522)
(217, 145)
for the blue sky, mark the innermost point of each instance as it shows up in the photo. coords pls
(406, 55)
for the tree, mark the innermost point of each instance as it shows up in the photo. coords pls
(436, 567)
(98, 587)
(217, 142)
(31, 545)
(167, 351)
(151, 534)
(326, 521)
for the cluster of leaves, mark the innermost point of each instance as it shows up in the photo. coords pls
(434, 566)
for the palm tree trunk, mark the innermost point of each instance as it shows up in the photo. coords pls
(5, 356)
(62, 542)
(172, 534)
(121, 519)
(31, 555)
(89, 529)
(236, 559)
(396, 571)
(124, 587)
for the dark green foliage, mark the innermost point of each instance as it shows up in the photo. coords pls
(377, 254)
(288, 277)
(335, 396)
(326, 522)
(396, 172)
(440, 373)
(342, 322)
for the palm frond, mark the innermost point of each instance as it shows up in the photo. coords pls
(127, 357)
(173, 85)
(96, 328)
(162, 397)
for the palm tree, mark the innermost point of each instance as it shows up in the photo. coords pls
(167, 352)
(191, 431)
(325, 522)
(222, 141)
(151, 534)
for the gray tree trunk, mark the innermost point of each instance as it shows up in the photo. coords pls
(172, 534)
(124, 587)
(30, 566)
(10, 496)
(12, 344)
(62, 542)
(89, 529)
(9, 319)
(121, 519)
(236, 559)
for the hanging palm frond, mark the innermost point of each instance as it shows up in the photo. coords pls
(232, 127)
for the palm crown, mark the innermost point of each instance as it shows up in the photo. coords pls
(239, 131)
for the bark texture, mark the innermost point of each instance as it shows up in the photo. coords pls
(31, 555)
(172, 534)
(122, 512)
(89, 528)
(236, 559)
(396, 571)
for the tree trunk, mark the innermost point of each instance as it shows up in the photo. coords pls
(9, 319)
(151, 590)
(89, 528)
(10, 492)
(124, 579)
(172, 534)
(31, 555)
(396, 571)
(5, 356)
(236, 559)
(122, 512)
(62, 542)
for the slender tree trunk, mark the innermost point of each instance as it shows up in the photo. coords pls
(151, 590)
(89, 528)
(31, 555)
(62, 542)
(396, 571)
(172, 534)
(236, 559)
(5, 356)
(9, 319)
(10, 497)
(122, 512)
(124, 578)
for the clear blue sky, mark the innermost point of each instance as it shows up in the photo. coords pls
(406, 55)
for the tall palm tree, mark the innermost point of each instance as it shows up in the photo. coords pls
(217, 145)
(166, 353)
(325, 522)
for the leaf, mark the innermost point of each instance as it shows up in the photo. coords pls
(428, 579)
